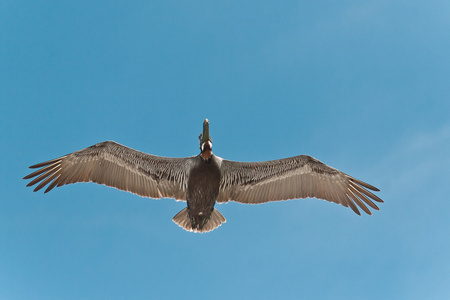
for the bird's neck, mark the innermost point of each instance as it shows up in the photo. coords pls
(206, 154)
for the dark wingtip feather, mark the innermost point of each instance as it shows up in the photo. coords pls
(40, 165)
(35, 173)
(52, 185)
(358, 202)
(45, 174)
(362, 196)
(353, 206)
(367, 193)
(45, 163)
(37, 188)
(42, 170)
(367, 212)
(366, 185)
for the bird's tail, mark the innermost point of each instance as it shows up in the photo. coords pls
(215, 220)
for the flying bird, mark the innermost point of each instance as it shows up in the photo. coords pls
(204, 179)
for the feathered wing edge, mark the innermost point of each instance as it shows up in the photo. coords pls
(117, 166)
(293, 178)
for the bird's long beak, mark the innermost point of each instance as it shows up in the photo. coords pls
(205, 134)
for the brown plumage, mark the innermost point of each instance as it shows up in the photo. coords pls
(204, 179)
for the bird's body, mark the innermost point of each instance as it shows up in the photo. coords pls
(204, 179)
(202, 189)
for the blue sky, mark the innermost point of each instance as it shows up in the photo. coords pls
(361, 86)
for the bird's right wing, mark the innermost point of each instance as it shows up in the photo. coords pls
(117, 166)
(292, 178)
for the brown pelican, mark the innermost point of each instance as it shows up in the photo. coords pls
(204, 179)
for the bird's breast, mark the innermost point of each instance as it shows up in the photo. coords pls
(203, 186)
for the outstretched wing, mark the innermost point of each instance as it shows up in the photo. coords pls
(117, 166)
(292, 178)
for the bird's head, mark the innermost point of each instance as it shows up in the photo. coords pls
(205, 141)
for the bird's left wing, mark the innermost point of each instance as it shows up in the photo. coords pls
(292, 178)
(117, 166)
